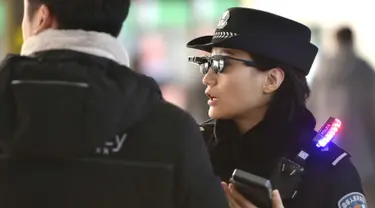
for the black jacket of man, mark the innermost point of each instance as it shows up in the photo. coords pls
(329, 179)
(83, 131)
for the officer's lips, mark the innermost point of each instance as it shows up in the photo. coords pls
(212, 99)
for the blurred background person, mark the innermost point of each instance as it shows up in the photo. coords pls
(344, 87)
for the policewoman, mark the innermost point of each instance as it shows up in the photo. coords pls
(257, 89)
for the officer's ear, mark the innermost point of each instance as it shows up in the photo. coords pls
(273, 80)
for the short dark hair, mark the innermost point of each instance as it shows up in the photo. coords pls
(344, 35)
(292, 93)
(105, 16)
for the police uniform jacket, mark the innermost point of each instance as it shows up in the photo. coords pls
(330, 180)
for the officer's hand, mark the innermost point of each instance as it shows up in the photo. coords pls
(236, 200)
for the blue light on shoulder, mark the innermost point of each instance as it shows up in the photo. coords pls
(328, 131)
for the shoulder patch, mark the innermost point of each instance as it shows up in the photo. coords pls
(353, 200)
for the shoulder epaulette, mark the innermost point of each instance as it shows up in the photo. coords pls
(337, 154)
(333, 155)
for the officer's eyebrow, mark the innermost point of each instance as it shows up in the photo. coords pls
(227, 52)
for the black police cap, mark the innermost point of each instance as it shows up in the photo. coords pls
(262, 33)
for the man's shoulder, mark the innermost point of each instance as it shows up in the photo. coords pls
(12, 60)
(51, 59)
(165, 115)
(168, 111)
(57, 56)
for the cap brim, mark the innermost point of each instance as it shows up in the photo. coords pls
(203, 43)
(206, 43)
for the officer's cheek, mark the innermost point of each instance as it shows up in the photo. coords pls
(240, 93)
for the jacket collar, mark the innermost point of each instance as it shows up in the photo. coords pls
(94, 43)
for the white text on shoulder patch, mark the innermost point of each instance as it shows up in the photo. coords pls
(353, 200)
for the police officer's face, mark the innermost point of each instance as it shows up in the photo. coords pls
(36, 22)
(239, 91)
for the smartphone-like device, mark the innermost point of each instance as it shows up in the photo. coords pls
(256, 189)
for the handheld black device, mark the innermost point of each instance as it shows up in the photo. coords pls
(256, 189)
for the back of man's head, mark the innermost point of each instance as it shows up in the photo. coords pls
(105, 16)
(344, 36)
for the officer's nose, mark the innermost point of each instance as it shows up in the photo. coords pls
(210, 79)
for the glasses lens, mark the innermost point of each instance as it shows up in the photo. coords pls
(217, 65)
(204, 67)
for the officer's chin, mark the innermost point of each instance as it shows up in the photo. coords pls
(215, 113)
(212, 113)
